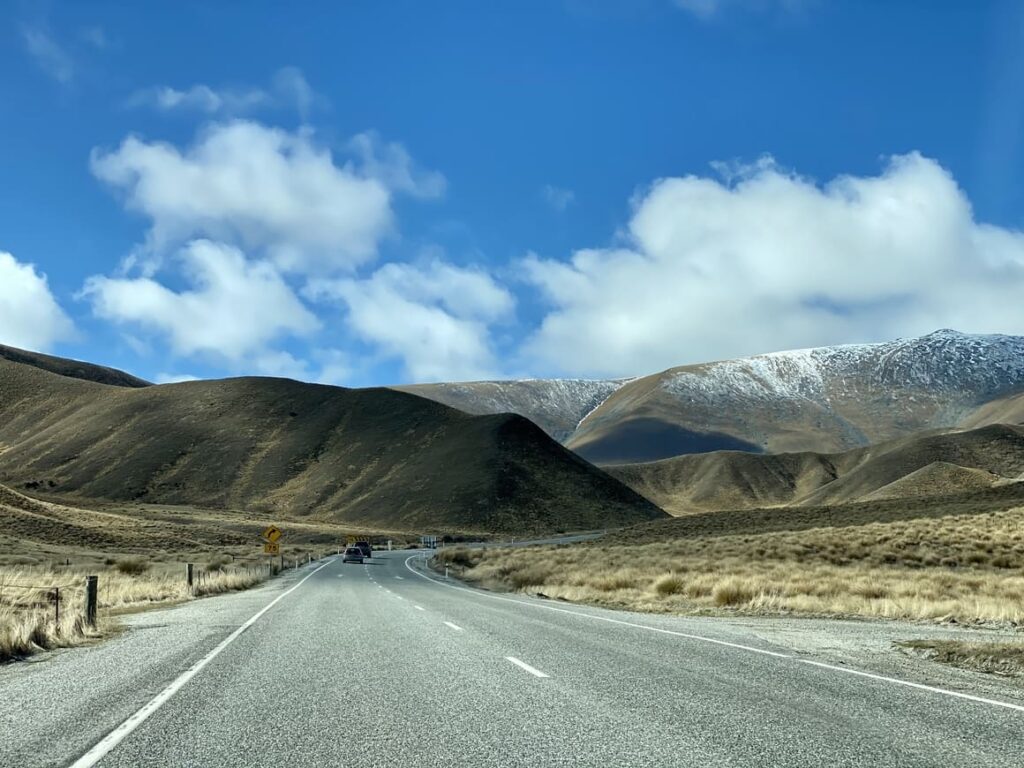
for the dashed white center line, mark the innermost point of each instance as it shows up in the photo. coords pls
(399, 578)
(419, 608)
(454, 626)
(523, 665)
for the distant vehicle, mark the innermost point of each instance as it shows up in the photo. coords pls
(365, 547)
(352, 555)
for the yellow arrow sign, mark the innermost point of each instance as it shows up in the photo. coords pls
(272, 534)
(271, 548)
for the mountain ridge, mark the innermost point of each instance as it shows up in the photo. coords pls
(367, 456)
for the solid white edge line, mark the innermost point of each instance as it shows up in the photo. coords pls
(116, 736)
(532, 670)
(700, 638)
(456, 627)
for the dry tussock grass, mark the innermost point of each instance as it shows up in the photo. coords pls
(27, 618)
(967, 569)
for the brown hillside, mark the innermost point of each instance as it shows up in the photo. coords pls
(955, 462)
(937, 479)
(374, 456)
(74, 369)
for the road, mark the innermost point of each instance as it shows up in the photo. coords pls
(384, 664)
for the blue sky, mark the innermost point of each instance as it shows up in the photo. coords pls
(375, 192)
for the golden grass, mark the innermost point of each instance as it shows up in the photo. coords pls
(27, 619)
(968, 569)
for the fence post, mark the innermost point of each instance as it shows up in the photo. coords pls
(90, 600)
(56, 605)
(188, 575)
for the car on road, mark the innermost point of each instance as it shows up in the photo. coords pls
(352, 555)
(367, 550)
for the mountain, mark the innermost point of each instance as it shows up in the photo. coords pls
(73, 369)
(555, 405)
(373, 456)
(823, 400)
(929, 464)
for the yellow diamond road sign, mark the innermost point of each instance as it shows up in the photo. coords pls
(272, 534)
(271, 548)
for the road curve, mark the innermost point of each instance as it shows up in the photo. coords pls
(384, 664)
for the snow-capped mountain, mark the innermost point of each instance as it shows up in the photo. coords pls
(824, 399)
(556, 405)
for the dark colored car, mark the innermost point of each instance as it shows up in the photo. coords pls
(365, 547)
(352, 555)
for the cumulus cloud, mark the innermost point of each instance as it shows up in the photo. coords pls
(260, 187)
(232, 313)
(434, 317)
(30, 316)
(288, 89)
(48, 54)
(557, 197)
(764, 259)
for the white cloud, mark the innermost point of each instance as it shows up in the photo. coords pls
(174, 378)
(435, 317)
(263, 188)
(768, 260)
(557, 197)
(233, 312)
(390, 163)
(30, 316)
(48, 54)
(288, 89)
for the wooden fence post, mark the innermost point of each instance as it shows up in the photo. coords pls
(90, 600)
(56, 605)
(188, 575)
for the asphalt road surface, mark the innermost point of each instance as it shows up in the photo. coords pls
(384, 664)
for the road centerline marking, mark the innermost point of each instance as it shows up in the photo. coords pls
(116, 736)
(419, 608)
(456, 627)
(523, 665)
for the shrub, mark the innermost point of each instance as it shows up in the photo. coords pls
(731, 591)
(217, 563)
(669, 584)
(132, 566)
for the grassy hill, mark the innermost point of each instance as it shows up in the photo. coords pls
(73, 369)
(924, 465)
(374, 457)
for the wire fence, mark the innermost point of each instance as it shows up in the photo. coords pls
(51, 593)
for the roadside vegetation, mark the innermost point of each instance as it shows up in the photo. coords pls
(967, 569)
(1005, 658)
(29, 622)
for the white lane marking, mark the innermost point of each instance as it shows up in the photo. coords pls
(532, 670)
(909, 684)
(419, 607)
(118, 735)
(789, 657)
(399, 597)
(454, 626)
(399, 578)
